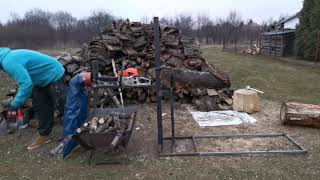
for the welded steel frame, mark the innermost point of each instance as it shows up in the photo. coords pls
(160, 93)
(299, 151)
(114, 82)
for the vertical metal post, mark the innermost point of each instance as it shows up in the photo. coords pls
(172, 111)
(158, 83)
(95, 72)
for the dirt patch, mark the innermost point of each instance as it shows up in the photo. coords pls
(145, 163)
(267, 122)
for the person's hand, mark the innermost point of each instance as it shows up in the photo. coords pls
(7, 110)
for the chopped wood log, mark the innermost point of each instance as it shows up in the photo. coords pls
(72, 68)
(194, 79)
(194, 64)
(246, 101)
(293, 113)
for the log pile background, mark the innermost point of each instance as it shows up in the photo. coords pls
(130, 44)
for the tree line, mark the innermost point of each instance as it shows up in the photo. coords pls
(42, 29)
(230, 29)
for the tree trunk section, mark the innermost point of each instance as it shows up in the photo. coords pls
(246, 101)
(196, 79)
(300, 114)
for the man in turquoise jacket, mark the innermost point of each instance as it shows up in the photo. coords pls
(37, 73)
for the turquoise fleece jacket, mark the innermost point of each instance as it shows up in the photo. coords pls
(29, 69)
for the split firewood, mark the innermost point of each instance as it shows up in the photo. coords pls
(111, 122)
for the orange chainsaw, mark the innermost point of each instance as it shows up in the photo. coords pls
(128, 77)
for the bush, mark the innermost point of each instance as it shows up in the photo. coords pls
(308, 29)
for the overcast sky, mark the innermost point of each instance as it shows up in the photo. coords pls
(258, 10)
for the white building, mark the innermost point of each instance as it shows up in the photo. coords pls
(290, 22)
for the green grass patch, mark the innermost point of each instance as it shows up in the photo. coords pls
(280, 80)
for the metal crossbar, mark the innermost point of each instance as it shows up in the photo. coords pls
(299, 151)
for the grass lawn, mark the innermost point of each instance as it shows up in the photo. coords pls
(56, 52)
(280, 80)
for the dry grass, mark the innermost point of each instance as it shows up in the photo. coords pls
(55, 52)
(280, 80)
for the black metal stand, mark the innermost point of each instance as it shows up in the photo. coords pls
(173, 138)
(107, 82)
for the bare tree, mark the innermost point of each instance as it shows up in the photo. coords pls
(145, 20)
(234, 19)
(98, 19)
(184, 23)
(204, 26)
(64, 23)
(14, 17)
(234, 24)
(37, 17)
(62, 19)
(166, 21)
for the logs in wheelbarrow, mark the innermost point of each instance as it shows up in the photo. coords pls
(293, 113)
(107, 129)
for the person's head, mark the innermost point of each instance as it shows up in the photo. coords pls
(3, 53)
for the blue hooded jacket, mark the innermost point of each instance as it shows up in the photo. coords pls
(29, 68)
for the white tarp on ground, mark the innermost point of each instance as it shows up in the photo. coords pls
(221, 118)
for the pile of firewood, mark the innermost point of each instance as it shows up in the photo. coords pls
(72, 64)
(130, 44)
(253, 50)
(112, 122)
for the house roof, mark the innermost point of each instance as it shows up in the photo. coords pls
(279, 32)
(290, 18)
(280, 23)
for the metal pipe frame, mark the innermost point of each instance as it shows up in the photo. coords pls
(158, 82)
(299, 151)
(117, 86)
(172, 99)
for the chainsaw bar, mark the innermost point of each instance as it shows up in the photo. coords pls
(133, 81)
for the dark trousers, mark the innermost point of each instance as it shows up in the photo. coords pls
(45, 101)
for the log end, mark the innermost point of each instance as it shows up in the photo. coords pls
(283, 111)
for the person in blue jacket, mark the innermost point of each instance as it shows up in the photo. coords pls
(38, 75)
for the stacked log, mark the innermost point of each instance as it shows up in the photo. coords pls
(72, 64)
(130, 44)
